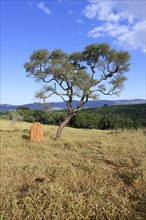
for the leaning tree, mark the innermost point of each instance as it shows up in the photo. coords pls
(97, 69)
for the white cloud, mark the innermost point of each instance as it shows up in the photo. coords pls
(101, 10)
(108, 28)
(80, 21)
(135, 9)
(121, 20)
(135, 38)
(45, 9)
(70, 12)
(115, 10)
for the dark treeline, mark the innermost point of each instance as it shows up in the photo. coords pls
(107, 117)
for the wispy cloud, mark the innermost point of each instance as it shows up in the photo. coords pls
(30, 3)
(70, 12)
(45, 9)
(80, 21)
(124, 21)
(113, 30)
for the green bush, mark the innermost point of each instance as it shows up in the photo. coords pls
(23, 108)
(105, 123)
(85, 120)
(28, 118)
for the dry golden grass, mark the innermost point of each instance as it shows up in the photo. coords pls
(86, 175)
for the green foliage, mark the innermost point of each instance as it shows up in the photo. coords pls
(23, 108)
(5, 115)
(106, 117)
(85, 120)
(28, 118)
(105, 122)
(15, 116)
(95, 52)
(56, 118)
(113, 117)
(74, 74)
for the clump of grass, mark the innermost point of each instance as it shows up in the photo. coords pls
(85, 175)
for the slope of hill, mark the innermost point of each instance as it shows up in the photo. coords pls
(87, 174)
(62, 105)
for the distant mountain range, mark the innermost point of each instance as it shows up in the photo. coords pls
(62, 105)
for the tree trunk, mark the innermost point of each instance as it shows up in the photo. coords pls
(62, 125)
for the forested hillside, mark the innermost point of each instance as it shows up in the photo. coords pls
(107, 117)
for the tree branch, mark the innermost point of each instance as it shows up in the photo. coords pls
(60, 83)
(48, 81)
(58, 94)
(105, 77)
(106, 93)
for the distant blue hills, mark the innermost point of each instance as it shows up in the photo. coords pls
(62, 105)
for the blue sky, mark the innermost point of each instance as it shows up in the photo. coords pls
(70, 25)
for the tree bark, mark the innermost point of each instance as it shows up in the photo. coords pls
(62, 125)
(71, 114)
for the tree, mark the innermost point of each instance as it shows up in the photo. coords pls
(97, 69)
(23, 108)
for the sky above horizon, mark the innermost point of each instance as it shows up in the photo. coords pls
(69, 25)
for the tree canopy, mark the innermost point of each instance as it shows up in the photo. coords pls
(97, 69)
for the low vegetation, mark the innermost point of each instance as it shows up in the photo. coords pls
(85, 175)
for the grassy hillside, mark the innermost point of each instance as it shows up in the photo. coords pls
(86, 175)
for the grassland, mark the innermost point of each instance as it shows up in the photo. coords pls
(86, 175)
